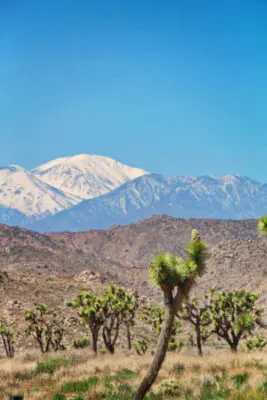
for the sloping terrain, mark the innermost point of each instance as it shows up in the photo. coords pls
(52, 268)
(123, 253)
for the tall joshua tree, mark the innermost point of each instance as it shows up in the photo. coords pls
(175, 276)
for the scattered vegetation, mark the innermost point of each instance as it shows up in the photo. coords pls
(50, 365)
(45, 327)
(7, 336)
(81, 343)
(231, 316)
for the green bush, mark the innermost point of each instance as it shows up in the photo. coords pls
(81, 343)
(170, 388)
(216, 389)
(50, 366)
(239, 380)
(178, 368)
(125, 374)
(79, 386)
(59, 396)
(120, 392)
(263, 388)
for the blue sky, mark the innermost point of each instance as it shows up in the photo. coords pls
(178, 87)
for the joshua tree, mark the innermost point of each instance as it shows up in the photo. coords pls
(175, 276)
(196, 314)
(45, 327)
(7, 337)
(234, 315)
(90, 309)
(129, 307)
(112, 309)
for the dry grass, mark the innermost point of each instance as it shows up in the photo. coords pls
(16, 375)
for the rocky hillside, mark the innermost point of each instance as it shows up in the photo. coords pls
(52, 268)
(123, 253)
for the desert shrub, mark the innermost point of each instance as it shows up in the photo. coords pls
(170, 388)
(216, 369)
(120, 392)
(141, 346)
(176, 346)
(81, 343)
(239, 380)
(50, 366)
(215, 389)
(79, 386)
(196, 367)
(124, 374)
(178, 368)
(263, 387)
(254, 363)
(59, 396)
(249, 394)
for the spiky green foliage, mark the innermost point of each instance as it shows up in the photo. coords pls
(234, 315)
(197, 253)
(257, 343)
(169, 270)
(90, 310)
(7, 336)
(45, 327)
(262, 226)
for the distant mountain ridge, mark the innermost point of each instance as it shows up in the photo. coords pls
(227, 197)
(27, 196)
(94, 192)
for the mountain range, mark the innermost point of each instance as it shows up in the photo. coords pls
(92, 192)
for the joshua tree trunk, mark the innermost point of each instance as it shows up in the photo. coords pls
(94, 340)
(162, 346)
(199, 341)
(129, 340)
(234, 347)
(110, 329)
(172, 306)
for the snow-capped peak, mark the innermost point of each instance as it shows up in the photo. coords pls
(22, 191)
(86, 176)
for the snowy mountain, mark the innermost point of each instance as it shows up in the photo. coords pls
(84, 192)
(226, 197)
(23, 192)
(58, 185)
(86, 176)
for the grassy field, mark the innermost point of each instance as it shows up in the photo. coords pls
(77, 375)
